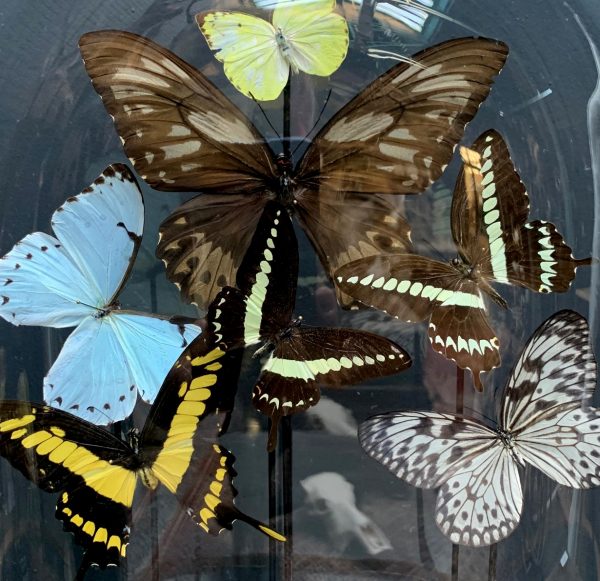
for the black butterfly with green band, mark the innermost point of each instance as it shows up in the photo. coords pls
(300, 357)
(96, 473)
(496, 243)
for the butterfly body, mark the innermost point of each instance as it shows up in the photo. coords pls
(183, 134)
(96, 473)
(495, 244)
(545, 420)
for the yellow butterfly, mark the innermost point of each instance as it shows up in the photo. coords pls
(306, 35)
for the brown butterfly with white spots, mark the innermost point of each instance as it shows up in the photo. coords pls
(182, 134)
(300, 358)
(495, 243)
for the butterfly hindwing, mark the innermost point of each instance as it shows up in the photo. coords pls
(309, 357)
(345, 227)
(398, 134)
(203, 242)
(90, 468)
(179, 131)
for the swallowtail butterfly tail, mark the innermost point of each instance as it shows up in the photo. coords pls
(545, 421)
(300, 357)
(74, 280)
(182, 134)
(495, 242)
(95, 473)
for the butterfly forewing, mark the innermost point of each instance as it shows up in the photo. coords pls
(268, 275)
(179, 131)
(489, 206)
(398, 135)
(556, 371)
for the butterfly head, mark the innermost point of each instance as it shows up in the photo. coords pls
(465, 269)
(508, 439)
(134, 439)
(102, 312)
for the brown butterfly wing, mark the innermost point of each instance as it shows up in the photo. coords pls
(179, 131)
(490, 208)
(344, 227)
(203, 242)
(413, 288)
(398, 135)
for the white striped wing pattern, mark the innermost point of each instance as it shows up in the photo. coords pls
(545, 421)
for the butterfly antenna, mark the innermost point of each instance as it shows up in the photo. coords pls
(481, 415)
(265, 116)
(435, 251)
(316, 122)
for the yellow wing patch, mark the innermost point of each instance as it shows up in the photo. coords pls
(174, 459)
(257, 55)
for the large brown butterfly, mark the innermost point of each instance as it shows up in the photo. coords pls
(182, 134)
(495, 242)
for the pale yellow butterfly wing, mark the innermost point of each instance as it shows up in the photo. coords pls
(317, 38)
(247, 47)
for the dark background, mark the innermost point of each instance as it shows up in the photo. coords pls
(55, 138)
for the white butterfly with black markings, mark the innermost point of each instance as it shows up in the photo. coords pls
(495, 243)
(545, 420)
(183, 134)
(73, 280)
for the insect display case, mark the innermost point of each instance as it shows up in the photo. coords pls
(323, 258)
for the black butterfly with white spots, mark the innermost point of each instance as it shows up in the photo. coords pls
(300, 357)
(545, 420)
(495, 243)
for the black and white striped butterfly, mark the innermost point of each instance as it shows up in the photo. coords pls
(495, 243)
(183, 134)
(545, 421)
(301, 358)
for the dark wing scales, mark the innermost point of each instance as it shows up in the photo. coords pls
(547, 263)
(459, 330)
(398, 134)
(203, 242)
(210, 498)
(268, 274)
(344, 227)
(179, 131)
(332, 357)
(406, 286)
(490, 205)
(93, 471)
